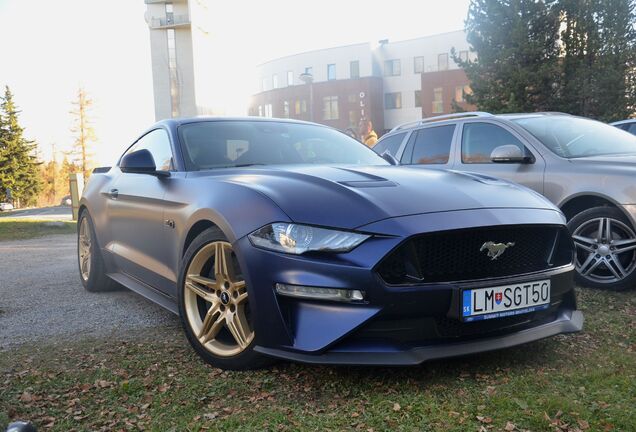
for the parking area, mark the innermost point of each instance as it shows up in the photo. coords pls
(41, 297)
(53, 213)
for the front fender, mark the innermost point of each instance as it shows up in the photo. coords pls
(234, 209)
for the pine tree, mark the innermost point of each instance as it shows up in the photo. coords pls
(516, 42)
(617, 56)
(576, 56)
(19, 168)
(84, 132)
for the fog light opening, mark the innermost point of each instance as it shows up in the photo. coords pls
(317, 293)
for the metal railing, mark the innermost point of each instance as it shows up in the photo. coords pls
(170, 21)
(442, 118)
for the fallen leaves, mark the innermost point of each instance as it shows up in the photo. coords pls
(26, 397)
(163, 386)
(484, 419)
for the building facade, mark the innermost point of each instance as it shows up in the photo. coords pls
(394, 82)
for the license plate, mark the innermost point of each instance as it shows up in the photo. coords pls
(506, 300)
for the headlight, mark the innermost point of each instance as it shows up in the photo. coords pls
(298, 239)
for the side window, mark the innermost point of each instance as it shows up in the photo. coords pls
(632, 128)
(390, 144)
(158, 144)
(432, 145)
(480, 139)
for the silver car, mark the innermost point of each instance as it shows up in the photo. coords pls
(626, 125)
(587, 168)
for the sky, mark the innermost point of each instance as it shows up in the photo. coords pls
(51, 48)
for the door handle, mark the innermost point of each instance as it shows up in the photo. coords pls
(114, 193)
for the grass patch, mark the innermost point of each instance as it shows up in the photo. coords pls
(579, 382)
(19, 229)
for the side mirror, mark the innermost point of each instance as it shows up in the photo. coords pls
(140, 162)
(389, 158)
(509, 154)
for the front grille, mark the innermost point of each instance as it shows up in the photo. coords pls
(457, 255)
(453, 328)
(431, 329)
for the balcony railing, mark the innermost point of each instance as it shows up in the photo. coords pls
(170, 21)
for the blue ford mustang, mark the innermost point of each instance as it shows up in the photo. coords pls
(283, 239)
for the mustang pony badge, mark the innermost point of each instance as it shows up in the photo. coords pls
(495, 249)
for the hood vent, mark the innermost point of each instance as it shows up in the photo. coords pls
(368, 183)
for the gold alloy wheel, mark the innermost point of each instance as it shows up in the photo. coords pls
(216, 308)
(84, 249)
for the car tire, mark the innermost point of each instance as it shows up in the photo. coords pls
(602, 261)
(94, 278)
(197, 301)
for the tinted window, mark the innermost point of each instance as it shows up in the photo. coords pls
(632, 128)
(225, 144)
(158, 144)
(432, 145)
(390, 144)
(480, 139)
(572, 137)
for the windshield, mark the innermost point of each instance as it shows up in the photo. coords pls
(574, 137)
(226, 144)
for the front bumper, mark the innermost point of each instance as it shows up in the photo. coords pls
(396, 325)
(567, 322)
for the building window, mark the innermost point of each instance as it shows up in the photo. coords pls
(264, 86)
(392, 67)
(275, 81)
(442, 62)
(268, 110)
(331, 72)
(463, 56)
(290, 78)
(172, 67)
(438, 101)
(418, 64)
(418, 98)
(309, 70)
(286, 109)
(459, 94)
(260, 110)
(354, 69)
(297, 107)
(353, 119)
(330, 108)
(303, 106)
(393, 100)
(169, 13)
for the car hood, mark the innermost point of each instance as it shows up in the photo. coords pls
(350, 197)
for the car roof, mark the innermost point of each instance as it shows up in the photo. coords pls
(623, 122)
(175, 122)
(449, 118)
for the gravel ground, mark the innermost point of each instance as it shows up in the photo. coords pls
(41, 297)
